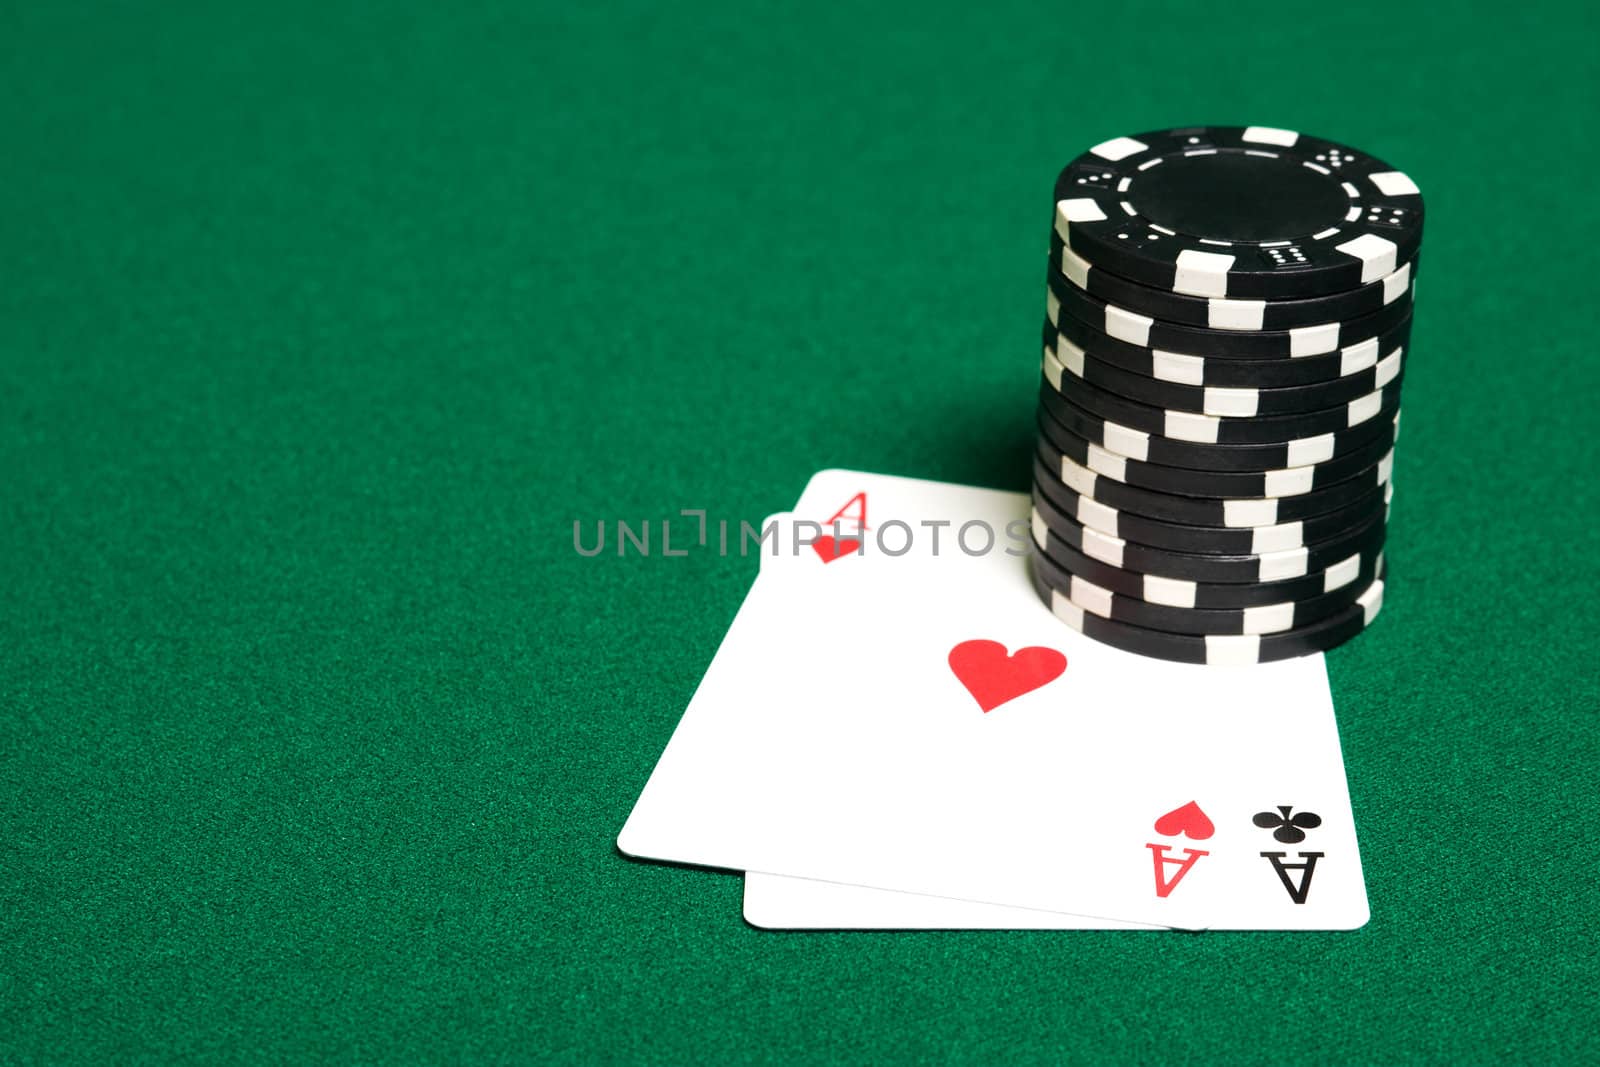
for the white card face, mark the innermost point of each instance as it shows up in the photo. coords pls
(929, 727)
(784, 902)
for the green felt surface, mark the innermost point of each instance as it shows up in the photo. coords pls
(320, 324)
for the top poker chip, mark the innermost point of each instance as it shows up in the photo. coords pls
(1238, 211)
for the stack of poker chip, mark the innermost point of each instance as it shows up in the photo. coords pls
(1228, 311)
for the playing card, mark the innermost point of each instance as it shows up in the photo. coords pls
(927, 726)
(776, 901)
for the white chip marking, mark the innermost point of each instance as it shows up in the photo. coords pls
(1395, 183)
(1041, 532)
(1075, 267)
(1097, 545)
(1249, 512)
(1351, 191)
(1314, 340)
(1378, 255)
(1069, 356)
(1097, 515)
(1371, 601)
(1359, 411)
(1052, 370)
(1386, 468)
(1270, 135)
(1066, 610)
(1199, 151)
(1078, 479)
(1236, 314)
(1187, 426)
(1052, 306)
(1081, 210)
(1163, 229)
(1174, 367)
(1388, 369)
(1342, 573)
(1396, 283)
(1174, 592)
(1291, 481)
(1316, 167)
(1325, 234)
(1090, 597)
(1118, 148)
(1122, 186)
(1202, 273)
(1128, 326)
(1358, 357)
(1290, 563)
(1268, 618)
(1353, 214)
(1308, 450)
(1129, 209)
(1135, 444)
(1231, 403)
(1265, 539)
(1107, 463)
(1233, 650)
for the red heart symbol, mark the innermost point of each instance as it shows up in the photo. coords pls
(1188, 821)
(993, 677)
(830, 550)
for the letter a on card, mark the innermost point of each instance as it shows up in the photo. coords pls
(1158, 853)
(853, 516)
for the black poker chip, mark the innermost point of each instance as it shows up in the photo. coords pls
(1200, 369)
(1216, 649)
(1222, 540)
(1219, 569)
(1217, 400)
(1227, 328)
(1218, 430)
(1056, 440)
(1222, 313)
(1152, 448)
(1238, 211)
(1125, 324)
(1260, 619)
(1201, 511)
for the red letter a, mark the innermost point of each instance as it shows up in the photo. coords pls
(852, 522)
(1158, 853)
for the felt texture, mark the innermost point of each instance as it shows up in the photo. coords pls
(320, 325)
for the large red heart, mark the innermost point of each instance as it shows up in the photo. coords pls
(1189, 821)
(830, 549)
(993, 677)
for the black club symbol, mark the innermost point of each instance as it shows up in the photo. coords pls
(1290, 829)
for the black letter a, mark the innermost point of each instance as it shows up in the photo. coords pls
(1296, 893)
